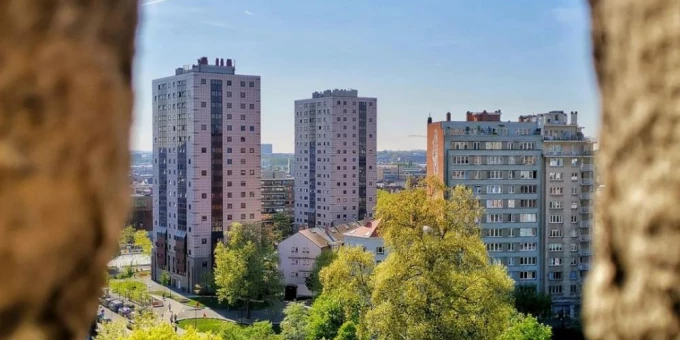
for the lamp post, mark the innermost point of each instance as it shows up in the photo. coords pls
(197, 289)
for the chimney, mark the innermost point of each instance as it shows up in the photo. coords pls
(429, 120)
(448, 116)
(228, 62)
(574, 118)
(221, 62)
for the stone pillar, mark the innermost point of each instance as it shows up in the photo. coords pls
(633, 291)
(65, 111)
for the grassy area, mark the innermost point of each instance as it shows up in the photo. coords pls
(203, 325)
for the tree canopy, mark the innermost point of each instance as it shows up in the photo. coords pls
(526, 327)
(246, 268)
(312, 282)
(437, 281)
(293, 326)
(283, 226)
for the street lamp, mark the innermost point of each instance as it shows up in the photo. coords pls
(197, 289)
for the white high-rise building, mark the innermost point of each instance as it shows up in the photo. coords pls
(335, 158)
(206, 149)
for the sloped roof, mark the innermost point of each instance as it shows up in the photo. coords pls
(314, 237)
(324, 237)
(367, 230)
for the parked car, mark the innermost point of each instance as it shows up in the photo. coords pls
(115, 305)
(105, 300)
(124, 311)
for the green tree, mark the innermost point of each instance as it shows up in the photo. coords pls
(130, 290)
(142, 241)
(148, 327)
(283, 226)
(246, 268)
(348, 331)
(526, 327)
(437, 281)
(261, 330)
(164, 280)
(347, 280)
(312, 282)
(294, 325)
(127, 237)
(529, 301)
(325, 318)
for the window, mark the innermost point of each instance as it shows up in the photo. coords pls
(555, 219)
(203, 82)
(554, 246)
(460, 160)
(573, 247)
(574, 191)
(527, 218)
(457, 174)
(204, 172)
(204, 150)
(243, 84)
(555, 204)
(494, 247)
(493, 232)
(494, 160)
(204, 195)
(573, 289)
(555, 176)
(459, 145)
(494, 204)
(556, 190)
(511, 203)
(380, 250)
(527, 232)
(495, 174)
(555, 232)
(574, 219)
(494, 189)
(527, 261)
(574, 162)
(555, 276)
(524, 174)
(527, 145)
(511, 246)
(527, 189)
(527, 246)
(511, 174)
(511, 232)
(555, 290)
(204, 104)
(475, 145)
(530, 275)
(527, 203)
(574, 176)
(494, 218)
(251, 84)
(494, 145)
(556, 162)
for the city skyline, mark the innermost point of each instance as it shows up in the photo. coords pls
(436, 57)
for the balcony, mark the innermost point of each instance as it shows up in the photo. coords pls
(586, 195)
(585, 224)
(586, 181)
(584, 266)
(585, 238)
(585, 252)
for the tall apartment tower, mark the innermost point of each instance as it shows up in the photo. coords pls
(335, 158)
(501, 162)
(206, 150)
(569, 186)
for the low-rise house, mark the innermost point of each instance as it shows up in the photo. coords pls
(298, 253)
(367, 237)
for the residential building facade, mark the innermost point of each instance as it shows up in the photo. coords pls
(501, 163)
(298, 253)
(569, 186)
(277, 194)
(367, 237)
(206, 150)
(335, 158)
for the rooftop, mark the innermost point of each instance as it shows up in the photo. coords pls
(336, 93)
(202, 66)
(368, 230)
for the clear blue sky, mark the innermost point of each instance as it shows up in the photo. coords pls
(416, 57)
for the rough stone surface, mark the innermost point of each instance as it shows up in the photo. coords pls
(633, 291)
(65, 111)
